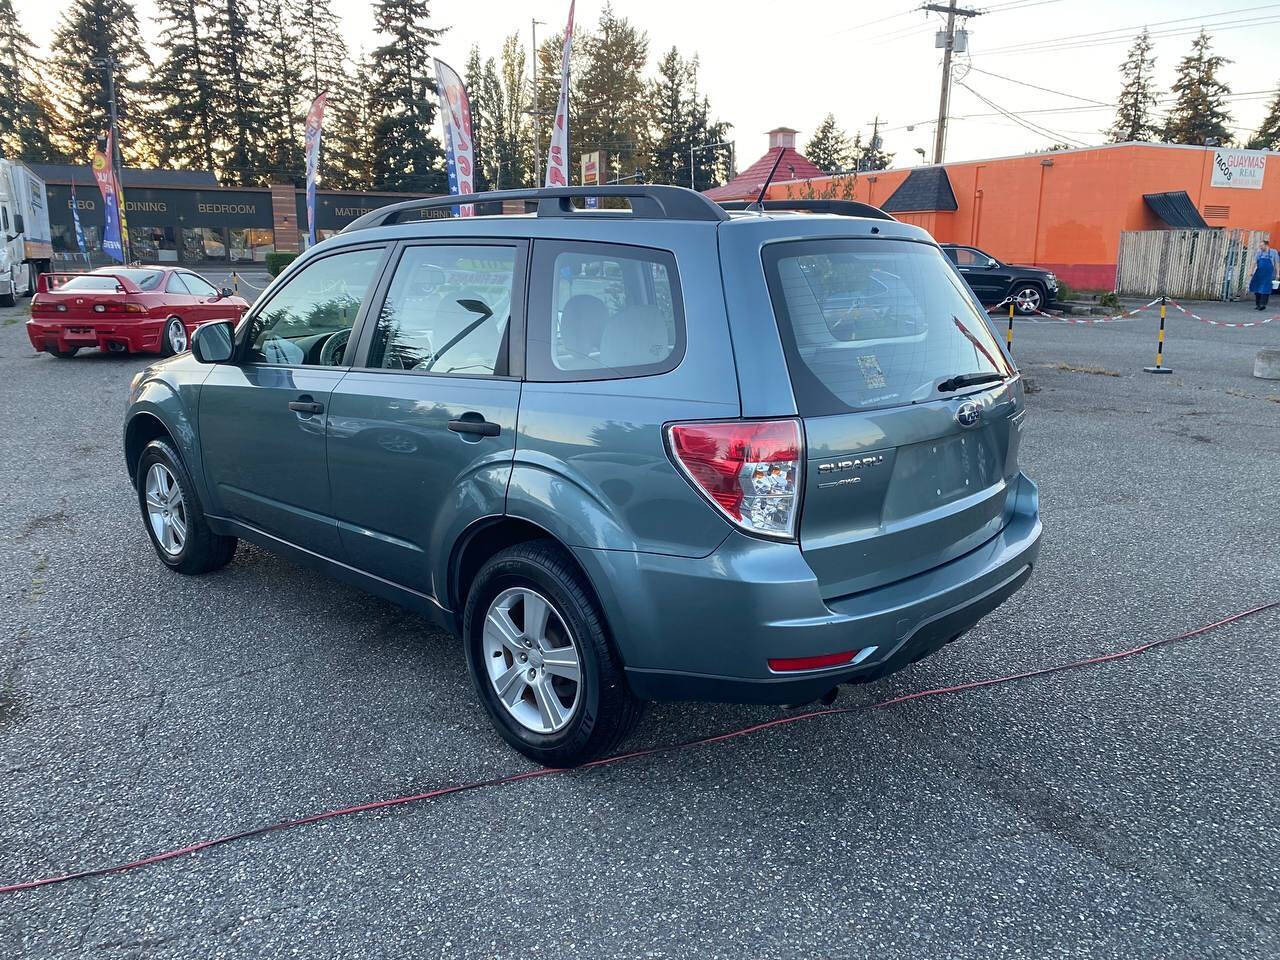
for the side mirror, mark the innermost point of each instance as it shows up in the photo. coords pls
(225, 292)
(213, 342)
(17, 223)
(992, 263)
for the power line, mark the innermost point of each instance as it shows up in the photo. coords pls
(1021, 121)
(1023, 83)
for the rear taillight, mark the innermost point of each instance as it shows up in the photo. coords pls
(120, 306)
(748, 469)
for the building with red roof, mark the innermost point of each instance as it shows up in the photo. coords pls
(794, 166)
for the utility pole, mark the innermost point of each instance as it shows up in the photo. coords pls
(537, 120)
(949, 43)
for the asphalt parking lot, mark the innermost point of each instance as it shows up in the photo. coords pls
(1117, 811)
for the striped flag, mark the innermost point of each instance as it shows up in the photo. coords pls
(558, 155)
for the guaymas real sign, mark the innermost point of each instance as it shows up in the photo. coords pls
(1241, 169)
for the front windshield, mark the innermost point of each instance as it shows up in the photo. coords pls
(874, 323)
(145, 279)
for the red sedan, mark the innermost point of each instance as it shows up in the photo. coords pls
(133, 310)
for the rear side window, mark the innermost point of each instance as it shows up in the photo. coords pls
(600, 311)
(874, 323)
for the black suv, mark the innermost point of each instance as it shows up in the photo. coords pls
(1030, 288)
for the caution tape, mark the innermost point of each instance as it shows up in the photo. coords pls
(1128, 315)
(237, 279)
(1219, 323)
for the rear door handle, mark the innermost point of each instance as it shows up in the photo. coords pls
(306, 406)
(482, 428)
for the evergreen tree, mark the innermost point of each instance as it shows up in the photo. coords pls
(98, 30)
(1199, 112)
(281, 86)
(713, 165)
(319, 36)
(828, 150)
(237, 78)
(349, 161)
(473, 77)
(495, 105)
(550, 52)
(406, 153)
(1268, 135)
(611, 113)
(1135, 111)
(25, 114)
(184, 122)
(515, 158)
(672, 127)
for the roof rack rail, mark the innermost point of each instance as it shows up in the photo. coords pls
(648, 202)
(843, 208)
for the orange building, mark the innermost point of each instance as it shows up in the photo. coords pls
(1064, 210)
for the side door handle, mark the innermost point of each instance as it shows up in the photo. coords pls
(479, 427)
(306, 406)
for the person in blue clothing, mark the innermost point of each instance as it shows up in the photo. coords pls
(1266, 270)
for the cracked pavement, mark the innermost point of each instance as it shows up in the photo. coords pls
(1123, 811)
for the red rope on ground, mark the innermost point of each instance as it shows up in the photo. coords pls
(619, 758)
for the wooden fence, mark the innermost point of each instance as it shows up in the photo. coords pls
(1195, 264)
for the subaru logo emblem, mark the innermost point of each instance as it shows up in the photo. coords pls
(968, 414)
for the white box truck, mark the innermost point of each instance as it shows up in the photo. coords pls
(26, 250)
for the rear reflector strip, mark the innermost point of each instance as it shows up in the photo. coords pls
(784, 664)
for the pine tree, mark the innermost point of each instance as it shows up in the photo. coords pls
(1199, 113)
(1135, 111)
(515, 158)
(237, 77)
(349, 161)
(671, 120)
(495, 102)
(611, 113)
(279, 93)
(473, 77)
(872, 156)
(406, 153)
(319, 36)
(550, 53)
(184, 122)
(1268, 135)
(25, 114)
(98, 30)
(712, 165)
(828, 150)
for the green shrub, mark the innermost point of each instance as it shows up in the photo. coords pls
(278, 261)
(1065, 292)
(1109, 299)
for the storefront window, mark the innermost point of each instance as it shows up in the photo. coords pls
(251, 243)
(204, 243)
(153, 244)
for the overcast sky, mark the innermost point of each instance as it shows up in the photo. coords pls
(764, 69)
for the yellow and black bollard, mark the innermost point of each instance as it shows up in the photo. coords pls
(1008, 337)
(1160, 367)
(235, 282)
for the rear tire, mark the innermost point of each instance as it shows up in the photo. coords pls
(174, 339)
(173, 517)
(592, 715)
(31, 280)
(62, 354)
(8, 299)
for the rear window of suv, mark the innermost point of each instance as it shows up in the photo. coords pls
(874, 323)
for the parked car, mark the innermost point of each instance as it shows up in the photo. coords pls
(1031, 288)
(671, 453)
(126, 309)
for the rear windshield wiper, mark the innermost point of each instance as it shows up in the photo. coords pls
(968, 380)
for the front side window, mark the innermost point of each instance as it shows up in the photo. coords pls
(964, 257)
(874, 323)
(308, 321)
(600, 311)
(447, 311)
(199, 286)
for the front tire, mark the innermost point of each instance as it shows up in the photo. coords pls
(174, 339)
(541, 660)
(173, 517)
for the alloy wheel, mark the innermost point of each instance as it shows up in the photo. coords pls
(166, 510)
(532, 660)
(177, 335)
(1028, 299)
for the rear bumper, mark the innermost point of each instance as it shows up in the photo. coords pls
(135, 336)
(705, 629)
